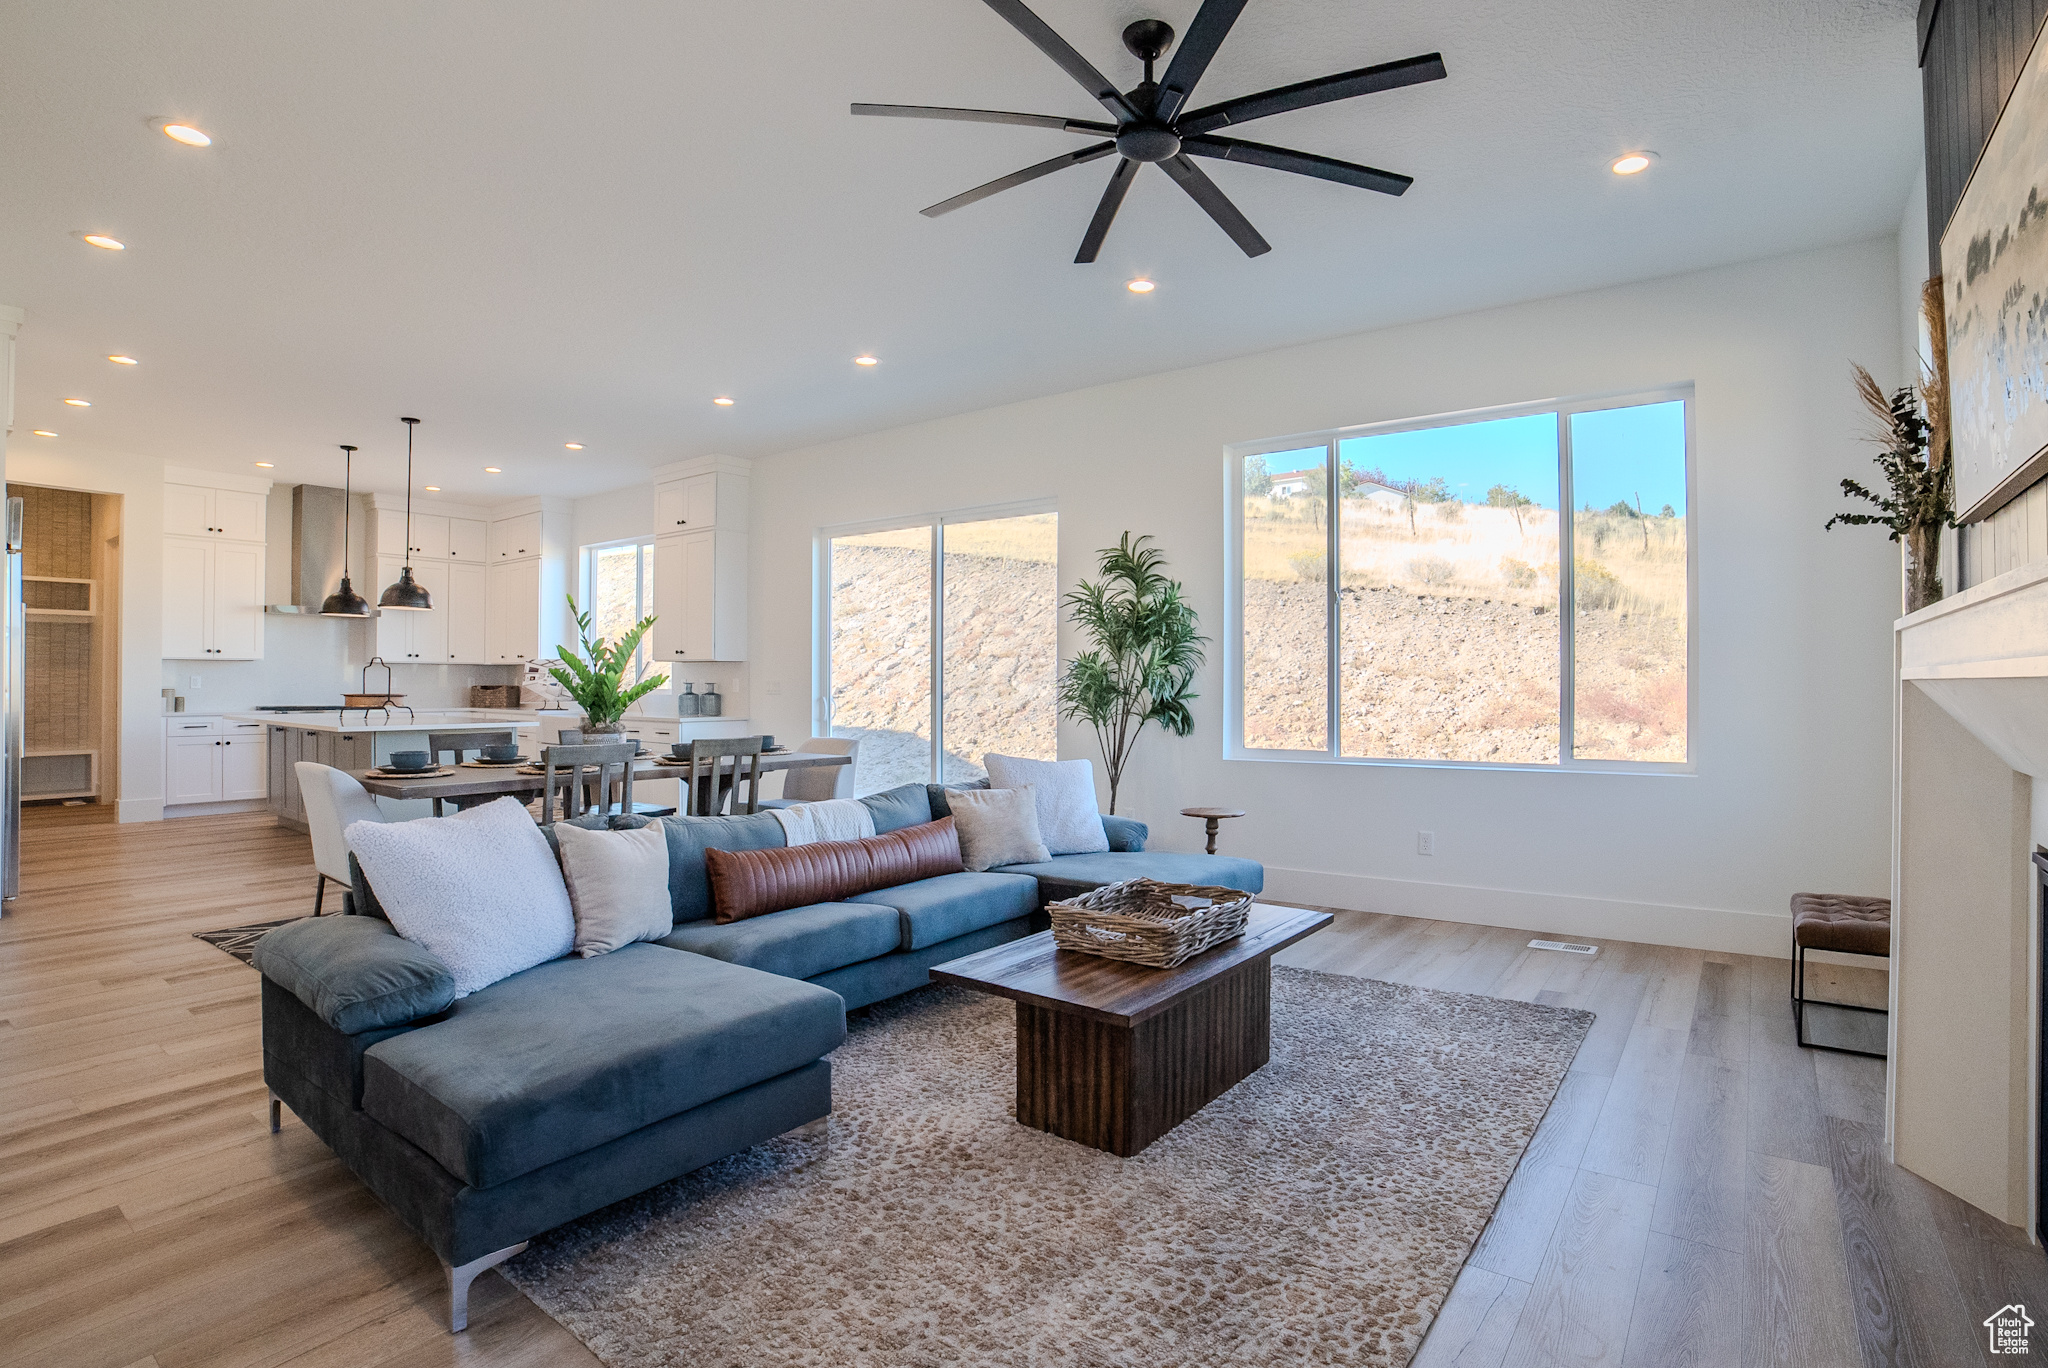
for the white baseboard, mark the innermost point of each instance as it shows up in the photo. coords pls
(172, 811)
(1695, 928)
(139, 810)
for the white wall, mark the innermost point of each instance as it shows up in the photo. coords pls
(1791, 737)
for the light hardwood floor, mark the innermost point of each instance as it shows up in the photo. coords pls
(1702, 1191)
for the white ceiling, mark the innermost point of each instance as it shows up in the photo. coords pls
(533, 223)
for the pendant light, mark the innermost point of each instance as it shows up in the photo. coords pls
(407, 594)
(345, 601)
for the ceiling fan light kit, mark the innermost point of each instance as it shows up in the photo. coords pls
(1153, 124)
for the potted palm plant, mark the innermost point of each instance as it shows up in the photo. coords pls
(1144, 652)
(599, 686)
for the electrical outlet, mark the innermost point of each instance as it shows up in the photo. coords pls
(773, 688)
(196, 682)
(1425, 843)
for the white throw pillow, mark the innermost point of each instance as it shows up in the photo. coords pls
(997, 827)
(618, 885)
(481, 889)
(1068, 818)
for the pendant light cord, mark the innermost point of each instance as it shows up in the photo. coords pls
(347, 498)
(410, 424)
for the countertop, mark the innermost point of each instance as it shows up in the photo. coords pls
(455, 720)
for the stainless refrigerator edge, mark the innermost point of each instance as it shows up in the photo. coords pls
(12, 649)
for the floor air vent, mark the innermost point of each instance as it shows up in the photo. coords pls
(1569, 947)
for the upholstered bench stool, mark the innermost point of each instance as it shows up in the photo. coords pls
(1847, 925)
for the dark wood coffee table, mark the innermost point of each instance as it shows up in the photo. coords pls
(1115, 1055)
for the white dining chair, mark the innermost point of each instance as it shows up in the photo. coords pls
(822, 782)
(333, 801)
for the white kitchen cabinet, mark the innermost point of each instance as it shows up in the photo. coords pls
(512, 627)
(406, 637)
(429, 535)
(515, 538)
(468, 540)
(213, 760)
(214, 514)
(213, 599)
(700, 597)
(689, 505)
(468, 613)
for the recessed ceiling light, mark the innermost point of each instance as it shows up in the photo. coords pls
(79, 403)
(723, 401)
(432, 489)
(1141, 286)
(867, 360)
(186, 134)
(102, 240)
(44, 432)
(266, 465)
(573, 446)
(1633, 162)
(492, 470)
(123, 360)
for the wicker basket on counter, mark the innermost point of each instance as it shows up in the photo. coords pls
(1148, 922)
(494, 695)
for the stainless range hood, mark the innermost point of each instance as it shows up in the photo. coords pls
(317, 521)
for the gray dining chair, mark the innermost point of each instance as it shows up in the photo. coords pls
(595, 777)
(461, 743)
(819, 782)
(705, 784)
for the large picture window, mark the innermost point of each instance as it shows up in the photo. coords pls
(1410, 592)
(940, 644)
(618, 591)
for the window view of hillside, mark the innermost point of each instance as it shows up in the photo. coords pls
(1628, 645)
(998, 647)
(1448, 591)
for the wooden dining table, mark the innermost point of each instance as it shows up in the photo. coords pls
(466, 785)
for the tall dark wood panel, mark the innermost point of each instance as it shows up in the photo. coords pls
(1970, 55)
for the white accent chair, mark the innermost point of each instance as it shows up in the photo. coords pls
(816, 785)
(333, 801)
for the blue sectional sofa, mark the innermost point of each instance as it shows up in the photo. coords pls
(483, 1121)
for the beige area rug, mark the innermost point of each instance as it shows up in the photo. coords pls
(1316, 1213)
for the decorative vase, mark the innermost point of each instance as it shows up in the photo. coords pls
(713, 705)
(611, 728)
(1923, 565)
(687, 701)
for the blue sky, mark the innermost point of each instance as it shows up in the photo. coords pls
(1617, 455)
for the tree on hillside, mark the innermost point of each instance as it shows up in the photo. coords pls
(1433, 490)
(1317, 493)
(1257, 478)
(1512, 499)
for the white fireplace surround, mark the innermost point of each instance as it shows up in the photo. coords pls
(1970, 806)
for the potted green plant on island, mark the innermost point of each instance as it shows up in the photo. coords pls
(1144, 651)
(599, 686)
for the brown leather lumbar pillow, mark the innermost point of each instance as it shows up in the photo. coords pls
(751, 883)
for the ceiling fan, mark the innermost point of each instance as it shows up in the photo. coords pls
(1153, 123)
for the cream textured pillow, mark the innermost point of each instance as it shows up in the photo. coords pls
(1065, 792)
(618, 885)
(997, 826)
(480, 890)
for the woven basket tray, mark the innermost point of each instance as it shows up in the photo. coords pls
(1148, 922)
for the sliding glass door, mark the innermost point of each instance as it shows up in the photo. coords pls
(942, 645)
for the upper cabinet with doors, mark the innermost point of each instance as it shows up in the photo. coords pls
(700, 560)
(447, 555)
(531, 545)
(213, 563)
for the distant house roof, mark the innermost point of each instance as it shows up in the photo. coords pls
(1298, 476)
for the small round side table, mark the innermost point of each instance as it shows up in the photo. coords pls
(1212, 816)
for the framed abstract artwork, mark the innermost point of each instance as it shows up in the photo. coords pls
(1994, 271)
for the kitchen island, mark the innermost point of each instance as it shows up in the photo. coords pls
(350, 739)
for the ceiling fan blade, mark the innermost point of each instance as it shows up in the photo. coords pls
(1301, 163)
(1062, 52)
(1197, 47)
(1016, 178)
(1105, 212)
(994, 116)
(1203, 191)
(1343, 86)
